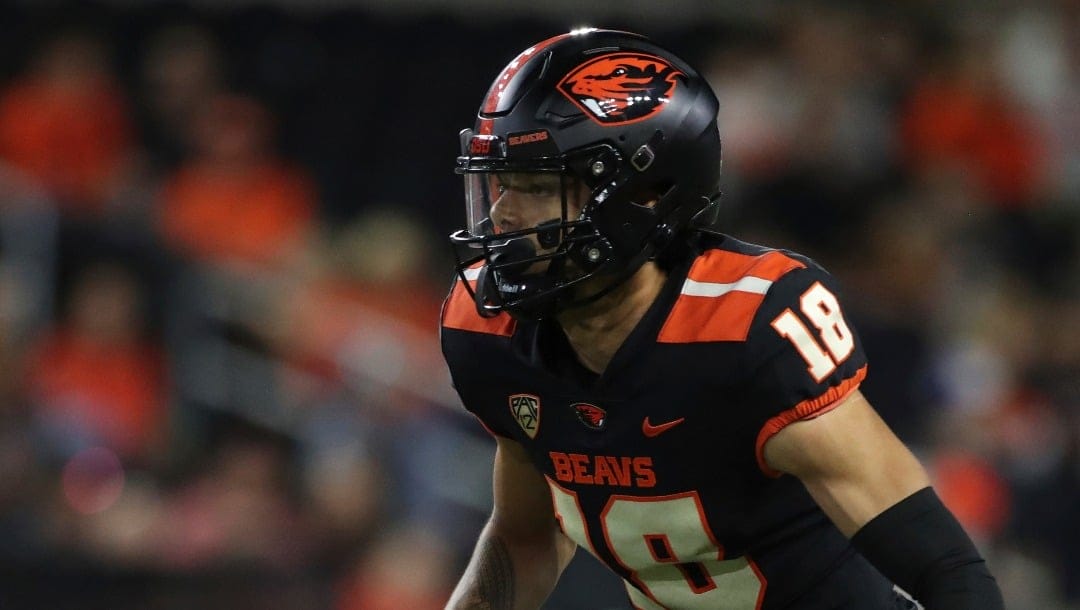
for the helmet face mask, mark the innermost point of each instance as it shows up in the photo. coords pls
(592, 151)
(528, 228)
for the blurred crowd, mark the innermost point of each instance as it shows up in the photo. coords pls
(222, 257)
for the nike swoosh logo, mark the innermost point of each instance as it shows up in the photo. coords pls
(651, 430)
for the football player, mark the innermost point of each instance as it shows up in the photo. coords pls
(683, 405)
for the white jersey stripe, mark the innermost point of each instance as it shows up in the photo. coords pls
(472, 274)
(755, 285)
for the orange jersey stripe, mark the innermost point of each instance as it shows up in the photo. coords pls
(723, 266)
(460, 313)
(722, 293)
(807, 409)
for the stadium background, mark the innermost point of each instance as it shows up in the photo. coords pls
(222, 253)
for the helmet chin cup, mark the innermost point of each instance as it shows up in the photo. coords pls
(513, 258)
(486, 297)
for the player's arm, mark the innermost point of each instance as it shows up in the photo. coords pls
(877, 492)
(521, 551)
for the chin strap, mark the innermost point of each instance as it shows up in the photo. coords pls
(617, 280)
(480, 295)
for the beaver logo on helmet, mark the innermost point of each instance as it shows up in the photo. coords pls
(621, 87)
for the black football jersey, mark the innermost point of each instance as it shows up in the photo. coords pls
(656, 466)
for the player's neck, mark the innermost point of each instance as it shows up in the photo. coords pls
(596, 331)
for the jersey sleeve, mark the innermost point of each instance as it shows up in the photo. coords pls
(803, 356)
(479, 407)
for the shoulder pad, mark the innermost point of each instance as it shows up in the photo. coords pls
(721, 294)
(459, 312)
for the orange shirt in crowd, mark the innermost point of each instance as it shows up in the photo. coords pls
(217, 215)
(72, 140)
(973, 490)
(116, 392)
(946, 122)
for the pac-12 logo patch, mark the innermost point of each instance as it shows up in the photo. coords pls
(526, 410)
(592, 416)
(621, 87)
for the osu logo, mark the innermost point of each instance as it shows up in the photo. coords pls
(526, 410)
(621, 87)
(592, 416)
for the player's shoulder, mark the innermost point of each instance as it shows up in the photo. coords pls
(724, 259)
(459, 310)
(726, 286)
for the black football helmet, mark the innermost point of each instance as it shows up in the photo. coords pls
(601, 112)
